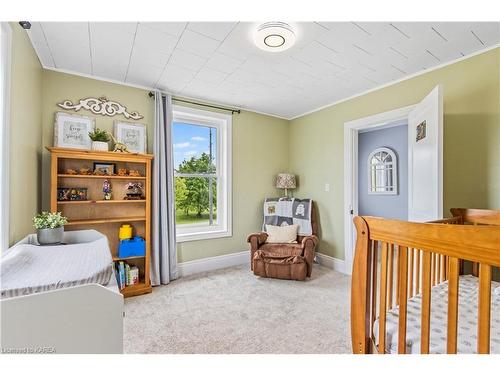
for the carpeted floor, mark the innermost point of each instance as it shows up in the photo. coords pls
(232, 311)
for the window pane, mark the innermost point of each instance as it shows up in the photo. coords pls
(195, 148)
(192, 200)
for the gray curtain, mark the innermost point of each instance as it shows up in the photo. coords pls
(164, 249)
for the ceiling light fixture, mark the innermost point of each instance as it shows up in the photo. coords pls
(274, 36)
(26, 25)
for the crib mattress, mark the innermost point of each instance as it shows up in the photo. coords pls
(27, 268)
(467, 320)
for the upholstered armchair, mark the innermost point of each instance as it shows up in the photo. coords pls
(279, 253)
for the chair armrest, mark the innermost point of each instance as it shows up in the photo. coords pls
(257, 239)
(309, 244)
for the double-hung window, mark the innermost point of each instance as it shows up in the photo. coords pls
(202, 171)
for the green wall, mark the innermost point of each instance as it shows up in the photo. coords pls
(260, 151)
(25, 135)
(471, 140)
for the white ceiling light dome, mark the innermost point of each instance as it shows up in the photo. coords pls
(274, 36)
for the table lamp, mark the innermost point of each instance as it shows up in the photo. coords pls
(286, 181)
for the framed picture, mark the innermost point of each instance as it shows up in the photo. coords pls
(421, 131)
(72, 131)
(132, 135)
(104, 169)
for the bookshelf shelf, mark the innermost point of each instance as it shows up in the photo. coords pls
(63, 175)
(112, 201)
(135, 290)
(115, 259)
(124, 219)
(106, 216)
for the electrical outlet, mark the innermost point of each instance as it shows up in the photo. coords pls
(327, 187)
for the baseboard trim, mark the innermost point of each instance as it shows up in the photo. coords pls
(243, 257)
(213, 263)
(332, 263)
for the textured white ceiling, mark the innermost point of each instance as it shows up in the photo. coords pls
(218, 61)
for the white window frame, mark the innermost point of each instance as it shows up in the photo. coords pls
(5, 71)
(393, 166)
(223, 124)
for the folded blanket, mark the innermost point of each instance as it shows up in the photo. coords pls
(27, 268)
(288, 211)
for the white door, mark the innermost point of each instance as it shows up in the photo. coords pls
(425, 158)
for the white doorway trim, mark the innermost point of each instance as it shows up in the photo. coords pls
(351, 131)
(5, 73)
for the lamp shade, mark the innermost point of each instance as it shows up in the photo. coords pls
(286, 181)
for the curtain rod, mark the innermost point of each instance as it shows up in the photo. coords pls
(232, 110)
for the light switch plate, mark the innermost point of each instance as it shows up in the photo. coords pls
(327, 187)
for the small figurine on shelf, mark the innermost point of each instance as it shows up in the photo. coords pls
(71, 171)
(106, 189)
(122, 171)
(119, 146)
(85, 171)
(134, 173)
(134, 191)
(78, 194)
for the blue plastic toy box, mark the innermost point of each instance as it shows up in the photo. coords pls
(132, 248)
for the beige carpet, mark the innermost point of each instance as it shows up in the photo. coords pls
(232, 311)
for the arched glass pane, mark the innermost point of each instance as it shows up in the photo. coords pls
(382, 164)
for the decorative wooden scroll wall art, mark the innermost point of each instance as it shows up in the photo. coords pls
(101, 106)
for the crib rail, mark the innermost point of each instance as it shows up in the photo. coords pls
(396, 260)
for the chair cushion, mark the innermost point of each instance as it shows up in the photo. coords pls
(291, 249)
(281, 234)
(279, 266)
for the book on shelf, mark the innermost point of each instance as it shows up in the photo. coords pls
(126, 275)
(121, 267)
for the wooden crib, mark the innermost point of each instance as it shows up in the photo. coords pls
(397, 260)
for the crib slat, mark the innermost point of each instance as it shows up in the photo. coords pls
(383, 297)
(484, 309)
(426, 303)
(475, 265)
(374, 280)
(442, 275)
(410, 273)
(438, 268)
(398, 276)
(432, 268)
(417, 272)
(402, 295)
(390, 275)
(454, 265)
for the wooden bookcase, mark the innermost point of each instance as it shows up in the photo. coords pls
(106, 216)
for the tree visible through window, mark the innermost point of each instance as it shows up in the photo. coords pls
(195, 164)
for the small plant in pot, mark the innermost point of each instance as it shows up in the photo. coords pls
(49, 227)
(100, 139)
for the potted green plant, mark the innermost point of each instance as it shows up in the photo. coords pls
(100, 139)
(49, 227)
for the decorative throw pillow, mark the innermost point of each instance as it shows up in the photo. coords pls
(284, 234)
